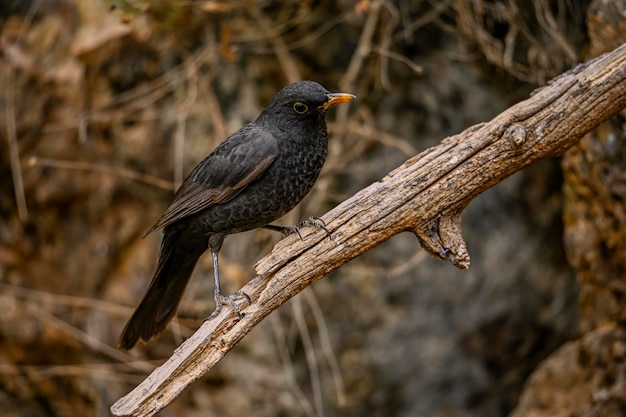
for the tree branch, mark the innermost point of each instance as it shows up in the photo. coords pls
(426, 195)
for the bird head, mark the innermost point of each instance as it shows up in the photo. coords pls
(302, 101)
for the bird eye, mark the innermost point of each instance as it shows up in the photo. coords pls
(300, 108)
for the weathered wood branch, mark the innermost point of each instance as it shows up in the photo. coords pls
(426, 195)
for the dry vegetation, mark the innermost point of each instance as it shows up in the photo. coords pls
(103, 112)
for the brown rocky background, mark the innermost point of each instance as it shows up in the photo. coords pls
(103, 112)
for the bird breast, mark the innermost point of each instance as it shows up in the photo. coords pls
(281, 187)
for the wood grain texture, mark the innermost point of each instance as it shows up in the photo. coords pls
(426, 195)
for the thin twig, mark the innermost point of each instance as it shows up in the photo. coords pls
(63, 299)
(88, 339)
(287, 63)
(105, 371)
(14, 153)
(363, 49)
(285, 357)
(385, 43)
(308, 38)
(311, 360)
(327, 348)
(439, 7)
(121, 172)
(181, 120)
(417, 69)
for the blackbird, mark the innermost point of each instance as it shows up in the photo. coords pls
(252, 178)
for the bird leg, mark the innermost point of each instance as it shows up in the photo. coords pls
(221, 299)
(288, 230)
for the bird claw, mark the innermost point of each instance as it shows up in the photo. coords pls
(313, 221)
(289, 230)
(221, 300)
(317, 222)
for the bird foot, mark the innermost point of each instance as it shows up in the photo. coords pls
(289, 230)
(221, 300)
(316, 222)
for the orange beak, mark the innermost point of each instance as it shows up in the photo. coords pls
(332, 99)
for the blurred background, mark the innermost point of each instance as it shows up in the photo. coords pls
(105, 106)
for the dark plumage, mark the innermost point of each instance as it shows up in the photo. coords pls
(255, 176)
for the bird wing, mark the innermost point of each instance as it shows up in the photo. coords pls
(239, 160)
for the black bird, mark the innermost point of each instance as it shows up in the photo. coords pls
(255, 176)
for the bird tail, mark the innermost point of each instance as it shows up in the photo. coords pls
(177, 259)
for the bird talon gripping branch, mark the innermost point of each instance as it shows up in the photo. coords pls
(221, 300)
(317, 222)
(289, 230)
(252, 178)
